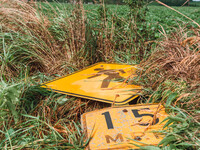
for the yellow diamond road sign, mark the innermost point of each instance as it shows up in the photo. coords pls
(122, 127)
(101, 82)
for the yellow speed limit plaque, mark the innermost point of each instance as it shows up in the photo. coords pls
(102, 82)
(119, 127)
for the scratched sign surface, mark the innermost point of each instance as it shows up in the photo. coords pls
(112, 128)
(101, 82)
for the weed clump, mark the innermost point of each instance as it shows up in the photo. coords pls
(172, 77)
(36, 42)
(177, 57)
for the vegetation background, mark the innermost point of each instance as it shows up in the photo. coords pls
(40, 41)
(168, 2)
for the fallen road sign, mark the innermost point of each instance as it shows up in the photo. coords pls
(114, 127)
(101, 82)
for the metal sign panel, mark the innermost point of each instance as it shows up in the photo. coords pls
(113, 128)
(101, 82)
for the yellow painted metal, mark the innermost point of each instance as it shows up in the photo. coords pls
(101, 82)
(114, 127)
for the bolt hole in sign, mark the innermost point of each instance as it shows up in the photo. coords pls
(115, 127)
(101, 82)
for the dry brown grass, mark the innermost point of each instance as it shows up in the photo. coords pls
(62, 118)
(36, 45)
(177, 57)
(76, 39)
(18, 17)
(176, 61)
